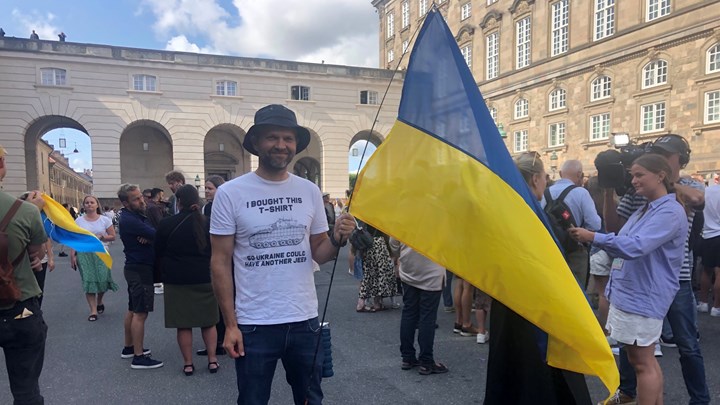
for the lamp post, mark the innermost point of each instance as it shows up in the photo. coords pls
(197, 182)
(553, 163)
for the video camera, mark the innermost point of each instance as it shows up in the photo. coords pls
(613, 165)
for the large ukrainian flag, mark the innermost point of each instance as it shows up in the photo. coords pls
(60, 227)
(444, 183)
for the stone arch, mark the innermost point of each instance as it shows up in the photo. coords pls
(308, 168)
(314, 152)
(146, 154)
(223, 152)
(373, 137)
(465, 33)
(33, 134)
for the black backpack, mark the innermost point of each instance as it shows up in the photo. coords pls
(561, 219)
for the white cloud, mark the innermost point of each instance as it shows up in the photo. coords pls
(338, 32)
(42, 24)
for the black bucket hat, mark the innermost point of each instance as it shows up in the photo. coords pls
(279, 116)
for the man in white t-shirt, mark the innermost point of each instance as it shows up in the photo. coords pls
(271, 224)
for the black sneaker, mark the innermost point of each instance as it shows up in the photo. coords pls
(129, 352)
(145, 362)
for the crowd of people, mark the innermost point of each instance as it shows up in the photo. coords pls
(239, 266)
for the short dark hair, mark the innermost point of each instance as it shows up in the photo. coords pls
(147, 192)
(174, 175)
(215, 180)
(154, 192)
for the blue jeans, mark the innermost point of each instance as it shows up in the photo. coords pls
(419, 312)
(295, 344)
(682, 319)
(447, 292)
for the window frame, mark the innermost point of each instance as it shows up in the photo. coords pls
(422, 7)
(706, 107)
(466, 11)
(712, 57)
(523, 42)
(405, 14)
(466, 51)
(654, 116)
(391, 55)
(390, 24)
(371, 97)
(56, 76)
(604, 19)
(303, 92)
(226, 88)
(560, 33)
(521, 108)
(603, 85)
(145, 81)
(560, 131)
(520, 135)
(557, 97)
(661, 11)
(655, 72)
(405, 46)
(603, 126)
(492, 61)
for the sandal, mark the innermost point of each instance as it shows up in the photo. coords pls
(215, 369)
(407, 365)
(437, 368)
(92, 318)
(101, 308)
(188, 369)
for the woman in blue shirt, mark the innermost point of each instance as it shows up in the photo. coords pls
(644, 278)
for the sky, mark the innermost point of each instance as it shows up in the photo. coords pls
(341, 32)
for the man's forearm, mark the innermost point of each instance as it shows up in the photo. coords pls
(612, 219)
(223, 286)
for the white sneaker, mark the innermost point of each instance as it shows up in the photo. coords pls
(615, 350)
(702, 307)
(611, 341)
(658, 350)
(159, 289)
(482, 338)
(715, 311)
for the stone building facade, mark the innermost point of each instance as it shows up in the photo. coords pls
(148, 112)
(561, 76)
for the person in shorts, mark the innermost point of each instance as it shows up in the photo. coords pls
(137, 235)
(710, 253)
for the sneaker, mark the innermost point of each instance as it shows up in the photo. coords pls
(702, 307)
(658, 350)
(615, 351)
(449, 309)
(715, 312)
(667, 342)
(159, 289)
(618, 398)
(482, 338)
(145, 362)
(611, 341)
(128, 352)
(469, 331)
(457, 328)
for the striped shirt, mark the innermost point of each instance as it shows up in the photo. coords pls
(631, 202)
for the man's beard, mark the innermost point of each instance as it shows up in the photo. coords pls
(275, 164)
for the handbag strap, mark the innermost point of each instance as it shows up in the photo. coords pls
(10, 214)
(3, 227)
(177, 226)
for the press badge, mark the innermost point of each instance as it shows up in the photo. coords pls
(617, 263)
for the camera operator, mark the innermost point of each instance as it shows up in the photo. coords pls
(682, 312)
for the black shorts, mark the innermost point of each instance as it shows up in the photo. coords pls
(141, 293)
(710, 252)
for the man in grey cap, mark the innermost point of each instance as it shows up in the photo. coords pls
(270, 225)
(682, 313)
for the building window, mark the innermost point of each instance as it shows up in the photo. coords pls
(655, 73)
(604, 18)
(467, 54)
(522, 108)
(712, 107)
(493, 114)
(300, 93)
(144, 83)
(368, 97)
(226, 88)
(520, 139)
(405, 13)
(53, 77)
(601, 88)
(560, 21)
(405, 45)
(600, 127)
(465, 11)
(657, 9)
(391, 55)
(558, 99)
(390, 25)
(653, 117)
(556, 135)
(492, 49)
(522, 36)
(713, 59)
(422, 7)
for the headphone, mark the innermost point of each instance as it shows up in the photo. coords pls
(684, 156)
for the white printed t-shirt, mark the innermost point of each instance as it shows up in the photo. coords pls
(272, 222)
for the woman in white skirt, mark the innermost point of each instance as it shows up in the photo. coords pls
(644, 276)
